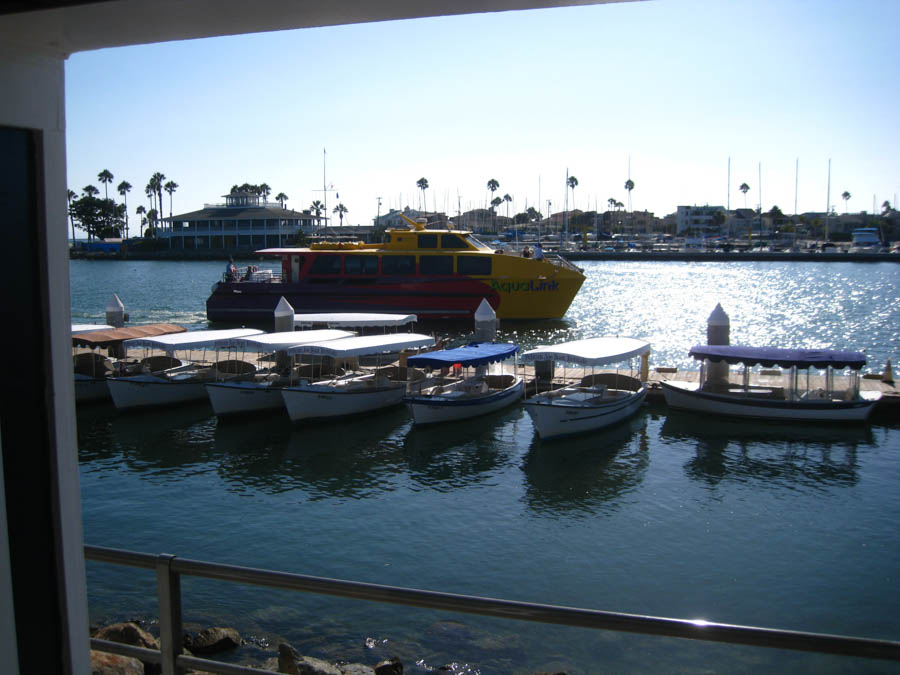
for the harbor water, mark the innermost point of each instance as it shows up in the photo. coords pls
(671, 514)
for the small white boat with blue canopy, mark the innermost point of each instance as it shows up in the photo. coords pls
(263, 390)
(338, 385)
(168, 379)
(598, 400)
(788, 397)
(453, 392)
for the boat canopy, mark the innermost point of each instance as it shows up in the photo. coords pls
(281, 341)
(89, 327)
(598, 351)
(194, 339)
(774, 356)
(364, 345)
(473, 354)
(353, 319)
(115, 336)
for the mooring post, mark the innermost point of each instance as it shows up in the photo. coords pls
(718, 332)
(116, 317)
(485, 328)
(284, 323)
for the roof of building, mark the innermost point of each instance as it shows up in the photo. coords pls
(243, 213)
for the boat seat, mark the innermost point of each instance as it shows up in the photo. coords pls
(159, 362)
(234, 367)
(92, 364)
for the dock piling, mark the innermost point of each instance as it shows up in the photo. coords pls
(718, 332)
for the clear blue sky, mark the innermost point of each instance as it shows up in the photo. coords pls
(675, 86)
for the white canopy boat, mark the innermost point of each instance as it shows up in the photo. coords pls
(599, 399)
(263, 391)
(353, 320)
(438, 398)
(92, 369)
(783, 400)
(355, 390)
(167, 379)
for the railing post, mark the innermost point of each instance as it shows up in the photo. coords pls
(168, 590)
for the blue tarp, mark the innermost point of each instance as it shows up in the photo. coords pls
(774, 356)
(474, 354)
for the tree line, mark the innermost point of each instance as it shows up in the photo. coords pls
(105, 218)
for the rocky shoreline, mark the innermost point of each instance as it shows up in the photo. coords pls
(235, 650)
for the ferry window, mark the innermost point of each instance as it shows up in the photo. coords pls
(473, 264)
(326, 264)
(436, 264)
(398, 264)
(428, 241)
(452, 241)
(361, 264)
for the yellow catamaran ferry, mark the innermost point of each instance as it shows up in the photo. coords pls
(434, 274)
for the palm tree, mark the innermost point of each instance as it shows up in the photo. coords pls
(281, 198)
(90, 191)
(493, 186)
(140, 210)
(340, 209)
(124, 188)
(507, 199)
(629, 185)
(317, 207)
(106, 178)
(156, 181)
(70, 195)
(745, 189)
(886, 208)
(572, 183)
(170, 187)
(422, 184)
(265, 191)
(846, 197)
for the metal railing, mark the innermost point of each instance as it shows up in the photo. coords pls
(169, 570)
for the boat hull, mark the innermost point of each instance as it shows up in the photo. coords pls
(313, 402)
(555, 418)
(434, 409)
(238, 398)
(145, 391)
(439, 299)
(90, 389)
(685, 396)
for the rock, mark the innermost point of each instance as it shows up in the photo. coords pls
(104, 663)
(128, 633)
(213, 640)
(389, 667)
(356, 669)
(293, 663)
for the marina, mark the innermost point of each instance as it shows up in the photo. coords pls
(665, 513)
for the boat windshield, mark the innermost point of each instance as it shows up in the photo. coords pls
(477, 243)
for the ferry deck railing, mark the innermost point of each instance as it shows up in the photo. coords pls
(169, 570)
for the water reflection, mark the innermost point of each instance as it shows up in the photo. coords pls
(450, 456)
(770, 452)
(583, 474)
(350, 459)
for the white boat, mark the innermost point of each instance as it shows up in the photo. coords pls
(347, 320)
(784, 399)
(92, 369)
(263, 391)
(439, 398)
(166, 379)
(338, 386)
(599, 399)
(866, 240)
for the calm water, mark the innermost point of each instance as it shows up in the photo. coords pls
(671, 515)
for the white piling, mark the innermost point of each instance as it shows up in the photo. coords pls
(888, 375)
(284, 322)
(115, 312)
(718, 332)
(485, 322)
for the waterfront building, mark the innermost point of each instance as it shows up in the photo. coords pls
(706, 221)
(241, 223)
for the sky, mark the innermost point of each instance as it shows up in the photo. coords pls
(669, 92)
